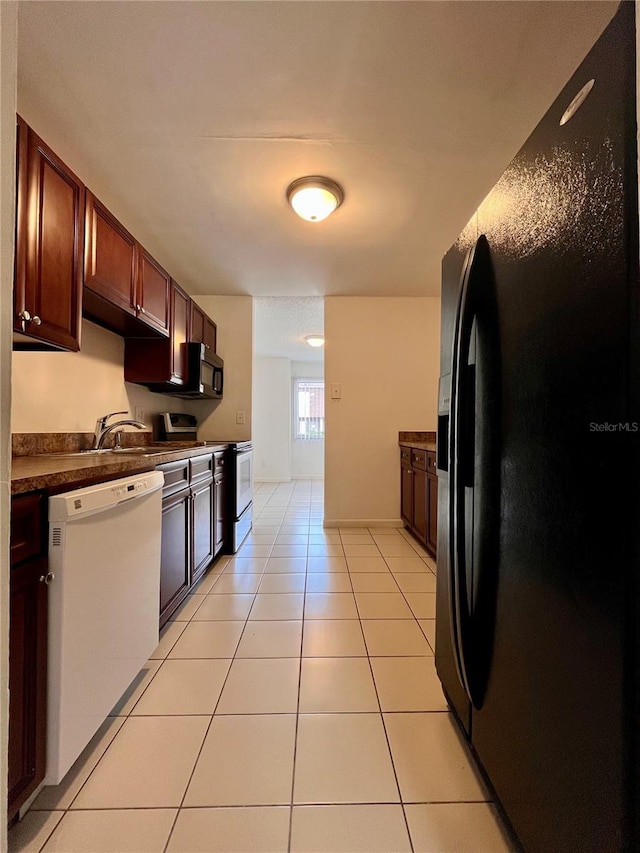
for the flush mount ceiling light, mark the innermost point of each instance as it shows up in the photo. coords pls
(314, 198)
(314, 340)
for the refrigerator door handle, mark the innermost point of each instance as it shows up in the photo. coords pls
(461, 459)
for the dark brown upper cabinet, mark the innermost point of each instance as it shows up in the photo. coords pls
(49, 240)
(154, 287)
(125, 289)
(202, 329)
(162, 364)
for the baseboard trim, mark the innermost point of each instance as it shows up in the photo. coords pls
(362, 522)
(272, 479)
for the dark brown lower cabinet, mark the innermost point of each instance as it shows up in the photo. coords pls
(202, 510)
(175, 560)
(194, 525)
(419, 495)
(27, 650)
(420, 504)
(220, 501)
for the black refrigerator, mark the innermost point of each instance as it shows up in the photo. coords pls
(537, 639)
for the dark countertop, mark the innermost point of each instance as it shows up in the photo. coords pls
(419, 445)
(418, 440)
(48, 471)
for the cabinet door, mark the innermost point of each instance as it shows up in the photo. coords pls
(27, 649)
(110, 257)
(175, 561)
(420, 503)
(210, 334)
(27, 652)
(48, 301)
(196, 330)
(27, 681)
(202, 507)
(180, 310)
(432, 529)
(406, 495)
(220, 512)
(154, 285)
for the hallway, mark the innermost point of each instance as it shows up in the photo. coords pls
(292, 704)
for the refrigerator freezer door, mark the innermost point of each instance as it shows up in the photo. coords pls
(554, 729)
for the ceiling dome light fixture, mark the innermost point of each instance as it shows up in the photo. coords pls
(314, 198)
(314, 340)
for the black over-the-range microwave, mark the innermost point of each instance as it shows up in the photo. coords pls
(205, 374)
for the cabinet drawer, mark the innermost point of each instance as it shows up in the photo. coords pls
(176, 476)
(220, 462)
(431, 462)
(405, 454)
(419, 459)
(201, 468)
(27, 529)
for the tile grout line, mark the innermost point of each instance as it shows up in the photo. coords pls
(207, 730)
(295, 737)
(386, 734)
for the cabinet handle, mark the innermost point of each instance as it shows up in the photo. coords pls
(26, 318)
(141, 309)
(48, 578)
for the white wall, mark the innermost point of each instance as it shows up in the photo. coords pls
(385, 354)
(271, 419)
(277, 455)
(307, 457)
(234, 317)
(8, 65)
(67, 391)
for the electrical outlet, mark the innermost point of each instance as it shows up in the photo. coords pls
(239, 417)
(138, 414)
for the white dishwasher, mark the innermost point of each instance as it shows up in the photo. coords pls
(104, 553)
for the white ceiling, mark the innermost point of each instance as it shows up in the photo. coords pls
(280, 324)
(190, 119)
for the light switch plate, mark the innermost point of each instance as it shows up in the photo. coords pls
(336, 391)
(239, 417)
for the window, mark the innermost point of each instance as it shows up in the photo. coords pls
(308, 409)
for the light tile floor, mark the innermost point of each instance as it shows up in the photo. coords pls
(292, 705)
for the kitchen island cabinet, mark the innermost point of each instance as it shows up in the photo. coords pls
(419, 494)
(49, 244)
(27, 649)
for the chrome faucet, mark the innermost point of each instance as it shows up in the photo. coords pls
(102, 429)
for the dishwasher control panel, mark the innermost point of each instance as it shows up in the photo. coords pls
(104, 496)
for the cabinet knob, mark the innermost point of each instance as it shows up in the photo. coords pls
(141, 309)
(48, 578)
(138, 308)
(26, 317)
